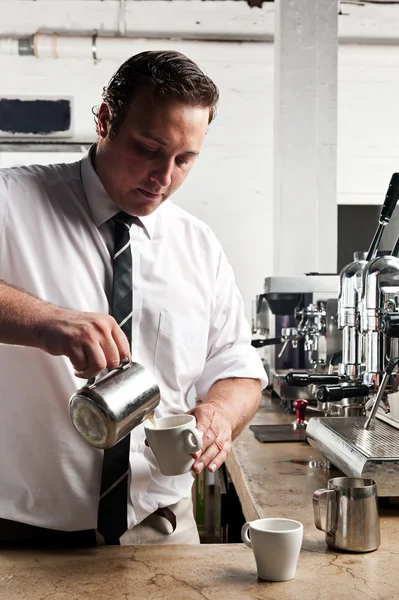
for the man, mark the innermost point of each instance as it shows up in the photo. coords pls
(58, 230)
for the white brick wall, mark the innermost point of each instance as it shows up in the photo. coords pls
(231, 187)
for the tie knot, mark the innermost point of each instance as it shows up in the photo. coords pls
(123, 218)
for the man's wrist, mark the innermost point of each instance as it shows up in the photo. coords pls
(237, 398)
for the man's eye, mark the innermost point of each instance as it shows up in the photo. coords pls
(149, 151)
(144, 149)
(181, 161)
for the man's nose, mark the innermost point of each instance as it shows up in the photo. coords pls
(162, 173)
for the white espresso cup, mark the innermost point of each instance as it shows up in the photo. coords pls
(276, 544)
(173, 442)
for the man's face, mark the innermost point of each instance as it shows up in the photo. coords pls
(152, 152)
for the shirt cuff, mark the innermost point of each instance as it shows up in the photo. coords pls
(229, 364)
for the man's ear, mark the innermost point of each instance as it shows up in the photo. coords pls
(103, 120)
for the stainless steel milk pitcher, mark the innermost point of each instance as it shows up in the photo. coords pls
(106, 409)
(352, 521)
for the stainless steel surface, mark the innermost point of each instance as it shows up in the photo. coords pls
(300, 311)
(377, 369)
(368, 318)
(312, 327)
(380, 295)
(358, 452)
(352, 521)
(105, 410)
(347, 407)
(333, 335)
(348, 313)
(261, 316)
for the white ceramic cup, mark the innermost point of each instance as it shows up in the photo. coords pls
(276, 544)
(173, 442)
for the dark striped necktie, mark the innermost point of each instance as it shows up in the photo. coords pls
(112, 510)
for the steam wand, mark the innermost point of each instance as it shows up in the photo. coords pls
(387, 373)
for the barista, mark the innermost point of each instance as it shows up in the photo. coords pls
(188, 326)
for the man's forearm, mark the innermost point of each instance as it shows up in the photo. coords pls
(238, 398)
(20, 315)
(92, 341)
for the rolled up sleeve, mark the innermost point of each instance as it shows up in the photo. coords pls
(230, 353)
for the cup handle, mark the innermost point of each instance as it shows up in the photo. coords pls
(244, 535)
(318, 496)
(192, 440)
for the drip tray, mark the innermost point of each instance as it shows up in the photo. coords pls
(278, 433)
(358, 452)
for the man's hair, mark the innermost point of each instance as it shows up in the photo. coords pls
(168, 74)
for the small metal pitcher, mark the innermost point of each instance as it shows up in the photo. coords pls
(106, 409)
(352, 521)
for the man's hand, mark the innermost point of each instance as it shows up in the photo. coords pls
(91, 341)
(217, 437)
(227, 408)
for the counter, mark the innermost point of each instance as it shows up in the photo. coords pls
(278, 480)
(211, 572)
(271, 480)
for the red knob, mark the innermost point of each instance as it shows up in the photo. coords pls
(300, 407)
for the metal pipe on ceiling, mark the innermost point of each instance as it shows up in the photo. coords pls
(44, 45)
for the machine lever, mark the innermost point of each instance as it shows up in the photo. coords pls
(387, 209)
(332, 393)
(391, 199)
(302, 379)
(260, 343)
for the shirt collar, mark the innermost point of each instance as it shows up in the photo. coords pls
(101, 206)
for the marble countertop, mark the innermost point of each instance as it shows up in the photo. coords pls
(211, 572)
(271, 480)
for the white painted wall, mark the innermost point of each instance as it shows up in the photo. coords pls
(368, 122)
(231, 187)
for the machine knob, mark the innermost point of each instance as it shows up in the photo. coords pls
(300, 379)
(300, 407)
(332, 393)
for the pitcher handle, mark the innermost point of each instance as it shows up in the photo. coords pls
(124, 364)
(318, 496)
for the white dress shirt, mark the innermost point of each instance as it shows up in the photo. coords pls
(188, 329)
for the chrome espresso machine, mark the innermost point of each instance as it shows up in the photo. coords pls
(294, 327)
(364, 442)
